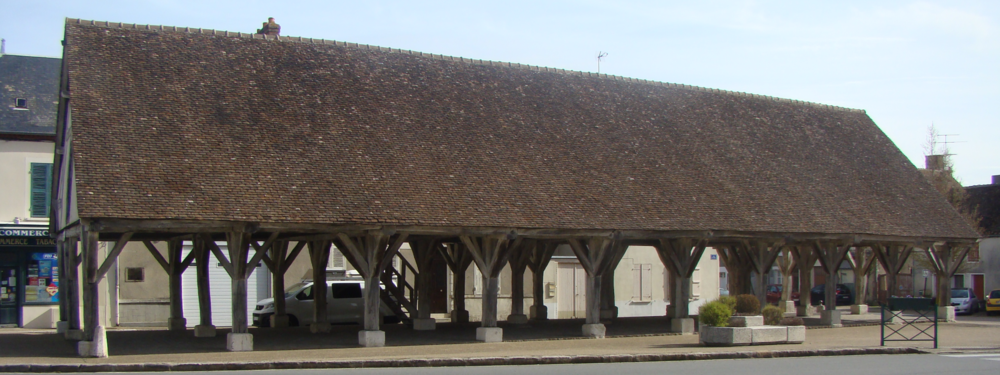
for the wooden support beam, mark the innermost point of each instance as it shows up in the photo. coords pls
(540, 256)
(157, 256)
(238, 244)
(261, 252)
(291, 256)
(831, 255)
(113, 255)
(762, 254)
(490, 255)
(458, 260)
(370, 254)
(91, 292)
(893, 258)
(862, 260)
(424, 251)
(72, 280)
(737, 261)
(946, 258)
(595, 255)
(221, 257)
(319, 256)
(200, 248)
(680, 256)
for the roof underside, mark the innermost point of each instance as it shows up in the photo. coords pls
(173, 125)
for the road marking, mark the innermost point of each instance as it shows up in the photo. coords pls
(973, 356)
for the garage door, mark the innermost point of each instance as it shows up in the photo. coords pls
(220, 286)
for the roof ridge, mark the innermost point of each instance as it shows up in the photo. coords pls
(299, 39)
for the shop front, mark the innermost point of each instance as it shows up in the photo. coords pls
(29, 277)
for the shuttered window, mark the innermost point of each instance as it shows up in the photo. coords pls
(41, 181)
(642, 282)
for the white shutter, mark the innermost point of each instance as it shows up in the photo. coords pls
(220, 289)
(637, 282)
(647, 282)
(696, 283)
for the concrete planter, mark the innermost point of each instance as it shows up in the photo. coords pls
(750, 330)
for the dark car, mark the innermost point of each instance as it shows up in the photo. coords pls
(844, 295)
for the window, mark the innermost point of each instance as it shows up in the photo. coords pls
(134, 274)
(642, 282)
(346, 290)
(43, 278)
(973, 256)
(41, 181)
(21, 103)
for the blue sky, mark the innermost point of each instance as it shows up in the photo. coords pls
(907, 63)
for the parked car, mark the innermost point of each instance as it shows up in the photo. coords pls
(993, 302)
(774, 294)
(964, 300)
(343, 298)
(844, 295)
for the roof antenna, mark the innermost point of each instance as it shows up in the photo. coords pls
(600, 55)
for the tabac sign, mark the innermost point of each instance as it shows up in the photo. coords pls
(14, 236)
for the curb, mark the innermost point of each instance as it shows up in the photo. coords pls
(444, 362)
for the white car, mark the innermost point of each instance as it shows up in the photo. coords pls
(964, 300)
(343, 304)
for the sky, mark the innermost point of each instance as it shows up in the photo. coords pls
(909, 64)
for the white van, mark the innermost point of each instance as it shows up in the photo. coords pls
(343, 304)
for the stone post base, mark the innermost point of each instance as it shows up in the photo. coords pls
(859, 309)
(787, 307)
(608, 314)
(460, 316)
(176, 324)
(62, 327)
(239, 342)
(892, 319)
(74, 335)
(946, 313)
(594, 330)
(805, 310)
(279, 321)
(371, 339)
(489, 334)
(424, 324)
(318, 327)
(539, 312)
(98, 348)
(204, 331)
(517, 319)
(684, 326)
(830, 318)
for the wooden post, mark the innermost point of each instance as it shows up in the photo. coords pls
(831, 255)
(490, 254)
(893, 258)
(541, 254)
(72, 278)
(946, 258)
(609, 310)
(238, 244)
(596, 256)
(762, 255)
(681, 256)
(280, 261)
(319, 255)
(94, 342)
(458, 259)
(203, 260)
(805, 257)
(370, 254)
(861, 260)
(518, 263)
(738, 264)
(786, 265)
(61, 254)
(424, 252)
(176, 322)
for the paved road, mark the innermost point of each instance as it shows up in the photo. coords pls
(915, 364)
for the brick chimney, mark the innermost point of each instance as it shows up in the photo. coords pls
(996, 179)
(270, 28)
(934, 162)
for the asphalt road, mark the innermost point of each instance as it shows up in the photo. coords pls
(913, 364)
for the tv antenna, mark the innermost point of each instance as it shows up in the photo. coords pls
(600, 55)
(945, 142)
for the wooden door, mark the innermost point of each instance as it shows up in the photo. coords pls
(571, 291)
(979, 286)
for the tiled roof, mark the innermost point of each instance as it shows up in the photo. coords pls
(985, 199)
(35, 79)
(209, 125)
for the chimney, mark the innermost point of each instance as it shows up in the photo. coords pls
(3, 46)
(934, 162)
(996, 179)
(270, 28)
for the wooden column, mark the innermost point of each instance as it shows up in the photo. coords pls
(424, 251)
(831, 255)
(63, 259)
(458, 259)
(240, 266)
(94, 342)
(319, 256)
(786, 265)
(609, 310)
(738, 265)
(893, 258)
(946, 259)
(519, 260)
(370, 253)
(805, 258)
(490, 255)
(762, 254)
(541, 254)
(203, 259)
(176, 322)
(280, 260)
(681, 257)
(596, 256)
(862, 260)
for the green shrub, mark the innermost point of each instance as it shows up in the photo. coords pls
(747, 304)
(714, 314)
(772, 315)
(729, 301)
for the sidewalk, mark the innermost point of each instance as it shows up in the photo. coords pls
(630, 339)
